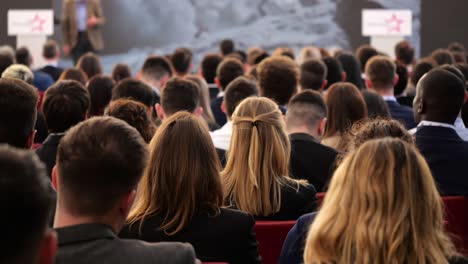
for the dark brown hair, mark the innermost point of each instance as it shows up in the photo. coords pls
(182, 60)
(380, 71)
(238, 90)
(228, 70)
(179, 95)
(100, 92)
(365, 53)
(74, 74)
(121, 71)
(90, 64)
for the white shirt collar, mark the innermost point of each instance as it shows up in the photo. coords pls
(389, 98)
(52, 63)
(459, 123)
(436, 124)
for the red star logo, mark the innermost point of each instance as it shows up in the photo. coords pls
(394, 24)
(37, 24)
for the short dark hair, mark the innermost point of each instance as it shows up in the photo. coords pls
(351, 66)
(156, 67)
(442, 56)
(27, 199)
(100, 93)
(306, 108)
(134, 89)
(181, 60)
(237, 91)
(376, 105)
(313, 73)
(75, 74)
(98, 162)
(334, 71)
(65, 105)
(380, 71)
(228, 70)
(209, 65)
(90, 64)
(456, 47)
(404, 52)
(364, 53)
(226, 46)
(463, 67)
(23, 56)
(402, 73)
(180, 95)
(18, 110)
(421, 68)
(121, 71)
(6, 60)
(50, 49)
(278, 78)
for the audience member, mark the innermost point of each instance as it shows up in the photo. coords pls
(313, 75)
(376, 105)
(422, 67)
(351, 67)
(75, 74)
(309, 53)
(100, 92)
(204, 101)
(19, 72)
(135, 114)
(51, 54)
(252, 54)
(458, 51)
(226, 46)
(90, 64)
(41, 80)
(121, 71)
(381, 77)
(335, 71)
(179, 95)
(99, 164)
(26, 203)
(437, 109)
(346, 106)
(256, 178)
(464, 69)
(180, 197)
(442, 56)
(7, 57)
(182, 61)
(364, 53)
(228, 70)
(65, 105)
(208, 68)
(404, 54)
(135, 90)
(284, 51)
(305, 123)
(155, 72)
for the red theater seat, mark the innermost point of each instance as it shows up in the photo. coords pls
(320, 197)
(456, 215)
(271, 235)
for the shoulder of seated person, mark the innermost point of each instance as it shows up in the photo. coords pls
(162, 249)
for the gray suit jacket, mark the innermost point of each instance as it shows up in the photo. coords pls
(97, 243)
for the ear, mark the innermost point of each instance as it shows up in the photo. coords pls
(160, 111)
(48, 248)
(466, 97)
(223, 107)
(421, 106)
(368, 83)
(324, 84)
(126, 203)
(200, 72)
(321, 127)
(396, 79)
(55, 178)
(198, 111)
(30, 140)
(344, 76)
(218, 84)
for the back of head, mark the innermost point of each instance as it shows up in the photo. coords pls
(404, 52)
(284, 51)
(27, 199)
(313, 73)
(345, 106)
(135, 114)
(50, 50)
(156, 68)
(439, 97)
(120, 72)
(182, 177)
(228, 70)
(19, 72)
(365, 53)
(90, 64)
(18, 108)
(334, 71)
(65, 105)
(258, 159)
(209, 65)
(351, 66)
(306, 109)
(6, 60)
(380, 72)
(98, 162)
(238, 90)
(23, 56)
(180, 95)
(135, 90)
(376, 105)
(456, 47)
(421, 68)
(442, 56)
(402, 83)
(75, 74)
(226, 46)
(182, 60)
(403, 223)
(309, 53)
(463, 68)
(278, 78)
(451, 68)
(100, 92)
(252, 54)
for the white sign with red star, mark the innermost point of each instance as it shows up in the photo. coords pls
(30, 22)
(387, 22)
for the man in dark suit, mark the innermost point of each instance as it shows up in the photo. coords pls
(41, 80)
(51, 54)
(439, 97)
(156, 71)
(381, 77)
(65, 105)
(305, 121)
(99, 164)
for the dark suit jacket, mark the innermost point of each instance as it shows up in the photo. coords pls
(52, 71)
(402, 113)
(48, 151)
(447, 156)
(229, 237)
(219, 116)
(96, 243)
(41, 128)
(311, 160)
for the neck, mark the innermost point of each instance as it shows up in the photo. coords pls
(386, 91)
(64, 219)
(303, 130)
(439, 119)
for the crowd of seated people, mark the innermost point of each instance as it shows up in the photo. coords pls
(177, 162)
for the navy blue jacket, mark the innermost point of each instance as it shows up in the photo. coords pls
(402, 113)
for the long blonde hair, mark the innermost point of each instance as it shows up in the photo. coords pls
(258, 159)
(382, 207)
(204, 97)
(182, 176)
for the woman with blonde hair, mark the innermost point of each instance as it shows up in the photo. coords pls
(256, 175)
(384, 209)
(204, 92)
(180, 197)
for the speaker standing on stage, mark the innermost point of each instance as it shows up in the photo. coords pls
(81, 27)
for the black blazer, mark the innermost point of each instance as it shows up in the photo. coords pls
(48, 151)
(447, 156)
(228, 237)
(53, 71)
(97, 244)
(311, 160)
(402, 113)
(219, 116)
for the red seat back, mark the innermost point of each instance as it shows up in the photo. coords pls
(320, 197)
(271, 235)
(456, 215)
